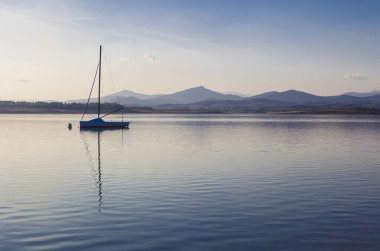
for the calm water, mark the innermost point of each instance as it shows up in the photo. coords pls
(175, 182)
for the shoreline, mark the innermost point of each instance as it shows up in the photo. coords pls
(142, 111)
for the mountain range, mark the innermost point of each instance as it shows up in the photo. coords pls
(362, 94)
(205, 100)
(188, 96)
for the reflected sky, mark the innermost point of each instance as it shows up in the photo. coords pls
(191, 182)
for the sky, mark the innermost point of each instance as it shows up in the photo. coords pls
(50, 48)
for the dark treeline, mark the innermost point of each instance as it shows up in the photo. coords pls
(12, 107)
(59, 107)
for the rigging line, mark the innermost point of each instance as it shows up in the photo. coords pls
(89, 96)
(118, 109)
(113, 84)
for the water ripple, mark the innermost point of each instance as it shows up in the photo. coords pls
(208, 182)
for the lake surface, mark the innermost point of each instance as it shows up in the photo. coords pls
(191, 182)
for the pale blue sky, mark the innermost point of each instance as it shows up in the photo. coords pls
(49, 49)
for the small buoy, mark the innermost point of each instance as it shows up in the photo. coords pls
(70, 126)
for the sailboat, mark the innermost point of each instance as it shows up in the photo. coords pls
(99, 123)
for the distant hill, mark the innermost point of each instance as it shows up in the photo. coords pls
(188, 96)
(363, 94)
(237, 94)
(298, 97)
(126, 101)
(201, 99)
(127, 93)
(289, 96)
(293, 102)
(288, 101)
(192, 95)
(125, 97)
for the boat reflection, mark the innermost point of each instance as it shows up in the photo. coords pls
(96, 165)
(99, 182)
(96, 169)
(102, 129)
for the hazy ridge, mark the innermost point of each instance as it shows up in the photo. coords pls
(202, 100)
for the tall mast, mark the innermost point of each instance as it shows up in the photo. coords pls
(100, 72)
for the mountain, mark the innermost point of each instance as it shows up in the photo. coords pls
(237, 94)
(192, 95)
(288, 101)
(126, 101)
(362, 94)
(201, 99)
(127, 93)
(289, 96)
(243, 105)
(298, 97)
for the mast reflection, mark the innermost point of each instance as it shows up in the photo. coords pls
(97, 170)
(99, 182)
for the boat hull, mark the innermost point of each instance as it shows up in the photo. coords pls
(103, 124)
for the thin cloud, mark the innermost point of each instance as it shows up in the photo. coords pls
(124, 59)
(23, 80)
(355, 76)
(81, 18)
(149, 57)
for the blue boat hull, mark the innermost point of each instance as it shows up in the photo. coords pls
(99, 123)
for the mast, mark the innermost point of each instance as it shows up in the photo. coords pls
(100, 71)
